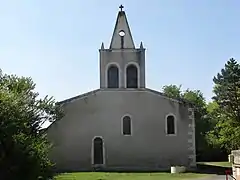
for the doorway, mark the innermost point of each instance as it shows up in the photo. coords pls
(98, 151)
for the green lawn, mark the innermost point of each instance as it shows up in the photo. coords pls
(220, 164)
(127, 176)
(138, 176)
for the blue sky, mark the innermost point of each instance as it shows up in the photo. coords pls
(56, 42)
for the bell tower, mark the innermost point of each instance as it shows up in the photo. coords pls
(122, 65)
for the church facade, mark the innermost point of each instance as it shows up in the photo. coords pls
(123, 125)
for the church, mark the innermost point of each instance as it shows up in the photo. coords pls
(123, 125)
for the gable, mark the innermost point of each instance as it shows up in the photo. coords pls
(81, 96)
(94, 92)
(97, 103)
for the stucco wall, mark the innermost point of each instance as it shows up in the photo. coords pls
(100, 115)
(122, 58)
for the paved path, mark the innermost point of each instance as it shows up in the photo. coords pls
(220, 177)
(216, 177)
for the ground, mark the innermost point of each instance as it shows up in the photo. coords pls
(207, 171)
(219, 164)
(128, 176)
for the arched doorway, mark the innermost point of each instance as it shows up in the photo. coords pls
(132, 76)
(98, 151)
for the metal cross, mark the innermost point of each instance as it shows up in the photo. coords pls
(121, 7)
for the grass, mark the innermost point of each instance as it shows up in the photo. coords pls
(127, 176)
(218, 164)
(212, 166)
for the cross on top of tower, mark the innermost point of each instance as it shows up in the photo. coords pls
(121, 7)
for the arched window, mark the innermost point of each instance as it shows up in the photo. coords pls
(170, 126)
(113, 77)
(126, 125)
(132, 76)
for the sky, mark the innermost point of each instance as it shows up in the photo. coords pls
(56, 42)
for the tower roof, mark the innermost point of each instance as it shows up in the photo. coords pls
(122, 37)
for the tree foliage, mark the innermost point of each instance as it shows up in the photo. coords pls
(227, 90)
(226, 132)
(23, 150)
(196, 97)
(172, 91)
(202, 120)
(218, 122)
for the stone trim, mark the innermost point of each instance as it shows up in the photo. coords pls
(123, 50)
(191, 138)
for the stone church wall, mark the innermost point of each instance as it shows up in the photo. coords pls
(100, 114)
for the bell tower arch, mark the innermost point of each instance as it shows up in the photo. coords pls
(122, 65)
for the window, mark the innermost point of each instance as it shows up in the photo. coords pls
(126, 125)
(170, 126)
(113, 77)
(132, 76)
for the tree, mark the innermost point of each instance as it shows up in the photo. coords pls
(196, 97)
(213, 109)
(172, 91)
(213, 114)
(227, 89)
(226, 133)
(23, 150)
(202, 120)
(202, 123)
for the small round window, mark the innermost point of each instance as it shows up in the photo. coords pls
(121, 33)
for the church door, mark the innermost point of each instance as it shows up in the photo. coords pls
(98, 151)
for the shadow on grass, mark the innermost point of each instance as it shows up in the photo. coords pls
(114, 171)
(211, 169)
(201, 169)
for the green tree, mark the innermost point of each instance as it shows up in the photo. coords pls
(202, 119)
(196, 97)
(23, 150)
(202, 124)
(226, 133)
(212, 108)
(172, 91)
(213, 112)
(227, 90)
